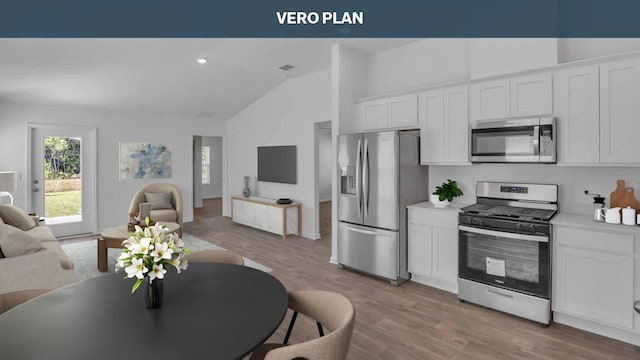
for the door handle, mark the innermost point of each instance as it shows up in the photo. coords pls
(365, 179)
(35, 189)
(636, 306)
(493, 292)
(359, 178)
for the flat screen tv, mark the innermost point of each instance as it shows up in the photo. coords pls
(277, 164)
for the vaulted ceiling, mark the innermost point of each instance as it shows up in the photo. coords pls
(161, 75)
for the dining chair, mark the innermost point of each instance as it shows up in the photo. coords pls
(334, 311)
(217, 256)
(12, 299)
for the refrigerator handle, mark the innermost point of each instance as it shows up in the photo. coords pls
(365, 178)
(359, 178)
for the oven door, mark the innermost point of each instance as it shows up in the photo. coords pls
(506, 141)
(511, 261)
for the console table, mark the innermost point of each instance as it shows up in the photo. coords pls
(265, 214)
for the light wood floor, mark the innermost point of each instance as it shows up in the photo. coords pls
(411, 321)
(210, 208)
(325, 217)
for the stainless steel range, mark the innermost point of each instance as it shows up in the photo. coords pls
(504, 248)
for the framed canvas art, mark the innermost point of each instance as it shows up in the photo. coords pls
(144, 161)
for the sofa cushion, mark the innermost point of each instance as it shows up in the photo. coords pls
(159, 200)
(17, 217)
(42, 234)
(55, 247)
(15, 242)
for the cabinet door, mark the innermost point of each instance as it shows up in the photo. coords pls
(456, 124)
(490, 100)
(531, 95)
(619, 111)
(419, 239)
(373, 115)
(274, 219)
(445, 254)
(577, 104)
(432, 127)
(594, 285)
(403, 111)
(260, 216)
(238, 211)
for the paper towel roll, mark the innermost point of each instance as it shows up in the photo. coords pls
(629, 216)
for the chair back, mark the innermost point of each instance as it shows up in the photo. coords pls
(215, 256)
(12, 299)
(335, 312)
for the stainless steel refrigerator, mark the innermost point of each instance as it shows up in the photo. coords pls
(380, 174)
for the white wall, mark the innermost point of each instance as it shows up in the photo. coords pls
(214, 188)
(488, 57)
(112, 127)
(580, 49)
(324, 164)
(284, 116)
(418, 64)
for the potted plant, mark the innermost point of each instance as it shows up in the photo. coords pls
(445, 193)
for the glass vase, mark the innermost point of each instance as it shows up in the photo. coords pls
(246, 192)
(153, 292)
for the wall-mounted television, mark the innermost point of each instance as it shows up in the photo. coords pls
(277, 164)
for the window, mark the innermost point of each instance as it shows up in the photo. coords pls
(206, 164)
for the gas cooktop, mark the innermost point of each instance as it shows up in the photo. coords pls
(518, 213)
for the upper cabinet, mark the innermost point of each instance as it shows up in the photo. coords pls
(597, 108)
(395, 112)
(444, 126)
(529, 95)
(619, 111)
(577, 98)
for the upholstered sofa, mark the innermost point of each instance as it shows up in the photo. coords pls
(30, 255)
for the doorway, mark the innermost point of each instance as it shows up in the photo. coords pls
(207, 176)
(323, 173)
(62, 177)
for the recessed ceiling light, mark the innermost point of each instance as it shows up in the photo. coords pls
(202, 61)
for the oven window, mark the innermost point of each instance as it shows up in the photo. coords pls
(515, 260)
(495, 142)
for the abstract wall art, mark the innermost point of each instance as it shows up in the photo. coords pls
(144, 161)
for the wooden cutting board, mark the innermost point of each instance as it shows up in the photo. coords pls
(629, 199)
(617, 195)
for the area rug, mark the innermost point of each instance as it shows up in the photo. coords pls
(84, 256)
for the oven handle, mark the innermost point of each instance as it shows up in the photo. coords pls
(503, 234)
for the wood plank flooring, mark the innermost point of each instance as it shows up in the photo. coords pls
(408, 322)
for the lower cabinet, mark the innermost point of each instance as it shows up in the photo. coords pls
(594, 282)
(433, 247)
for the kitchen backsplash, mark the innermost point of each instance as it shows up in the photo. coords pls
(571, 180)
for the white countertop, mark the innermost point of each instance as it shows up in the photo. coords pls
(586, 222)
(454, 206)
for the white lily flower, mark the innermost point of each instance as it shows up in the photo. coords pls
(136, 269)
(158, 271)
(142, 247)
(161, 251)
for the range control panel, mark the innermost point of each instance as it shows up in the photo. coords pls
(514, 189)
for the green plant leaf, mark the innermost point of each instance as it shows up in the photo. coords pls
(136, 285)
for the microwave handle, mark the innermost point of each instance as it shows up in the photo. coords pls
(536, 140)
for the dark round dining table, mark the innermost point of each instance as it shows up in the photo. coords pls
(209, 311)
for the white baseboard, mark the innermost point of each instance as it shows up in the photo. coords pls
(333, 260)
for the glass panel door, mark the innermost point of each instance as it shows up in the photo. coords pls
(62, 179)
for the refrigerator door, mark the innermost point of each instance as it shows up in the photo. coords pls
(374, 251)
(380, 180)
(350, 187)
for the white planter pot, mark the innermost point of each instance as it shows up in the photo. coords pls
(435, 200)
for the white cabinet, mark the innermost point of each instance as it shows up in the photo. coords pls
(395, 112)
(619, 111)
(433, 246)
(595, 281)
(577, 101)
(531, 95)
(520, 96)
(265, 214)
(444, 126)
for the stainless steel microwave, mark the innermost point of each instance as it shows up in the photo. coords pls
(531, 140)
